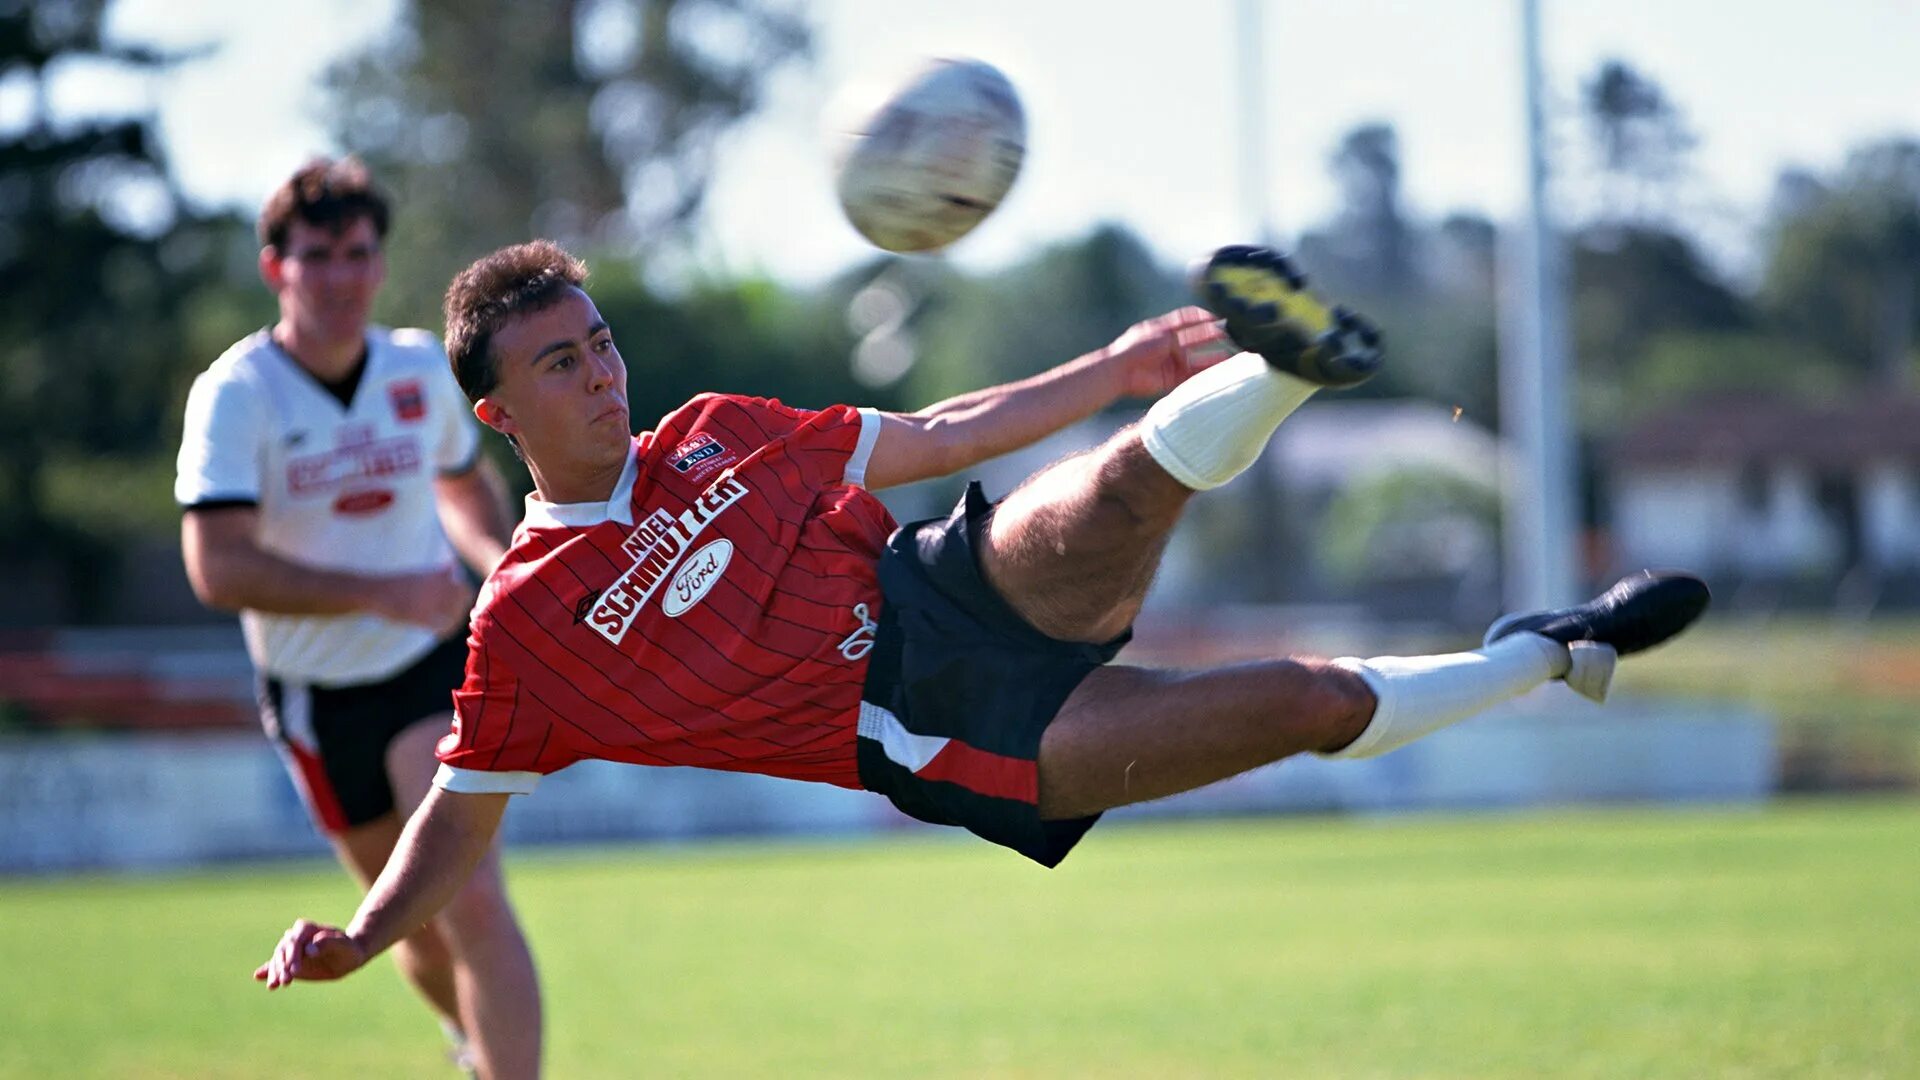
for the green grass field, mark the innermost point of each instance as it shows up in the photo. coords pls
(1607, 943)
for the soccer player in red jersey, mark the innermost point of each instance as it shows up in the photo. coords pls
(725, 592)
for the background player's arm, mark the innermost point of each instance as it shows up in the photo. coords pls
(230, 570)
(474, 512)
(444, 841)
(1151, 358)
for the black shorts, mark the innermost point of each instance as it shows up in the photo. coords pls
(333, 740)
(960, 688)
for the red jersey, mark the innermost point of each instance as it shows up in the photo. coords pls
(717, 611)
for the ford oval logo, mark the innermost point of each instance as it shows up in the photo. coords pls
(696, 577)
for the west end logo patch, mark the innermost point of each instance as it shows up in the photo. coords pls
(409, 400)
(697, 577)
(701, 454)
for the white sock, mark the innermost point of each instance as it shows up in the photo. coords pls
(1419, 695)
(1207, 430)
(459, 1049)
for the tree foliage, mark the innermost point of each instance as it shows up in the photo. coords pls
(1640, 145)
(1369, 247)
(597, 122)
(100, 265)
(1844, 266)
(592, 122)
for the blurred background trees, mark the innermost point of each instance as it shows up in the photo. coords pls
(593, 122)
(494, 122)
(102, 274)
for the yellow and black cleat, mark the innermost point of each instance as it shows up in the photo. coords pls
(1267, 309)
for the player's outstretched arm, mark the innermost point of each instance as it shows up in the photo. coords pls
(1147, 360)
(443, 842)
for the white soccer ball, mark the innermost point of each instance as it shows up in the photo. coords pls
(934, 158)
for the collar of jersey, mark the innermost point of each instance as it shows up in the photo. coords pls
(542, 514)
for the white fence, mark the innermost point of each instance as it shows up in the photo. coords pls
(165, 801)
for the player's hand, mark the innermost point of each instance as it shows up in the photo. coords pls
(312, 953)
(1159, 354)
(437, 599)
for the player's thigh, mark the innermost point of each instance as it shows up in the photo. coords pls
(1075, 548)
(364, 849)
(410, 760)
(1129, 734)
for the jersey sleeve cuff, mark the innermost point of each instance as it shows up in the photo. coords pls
(219, 502)
(482, 782)
(863, 450)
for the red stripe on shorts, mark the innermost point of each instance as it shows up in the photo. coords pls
(311, 775)
(984, 773)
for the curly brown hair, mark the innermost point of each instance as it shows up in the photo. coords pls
(485, 296)
(326, 194)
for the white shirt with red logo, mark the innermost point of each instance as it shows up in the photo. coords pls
(338, 487)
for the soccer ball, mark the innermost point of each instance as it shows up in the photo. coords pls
(935, 158)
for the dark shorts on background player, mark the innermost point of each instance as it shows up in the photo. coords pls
(334, 740)
(960, 688)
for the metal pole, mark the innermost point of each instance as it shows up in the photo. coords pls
(1251, 67)
(1270, 576)
(1538, 464)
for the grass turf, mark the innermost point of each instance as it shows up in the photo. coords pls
(1779, 942)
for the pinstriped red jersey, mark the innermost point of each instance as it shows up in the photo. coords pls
(716, 612)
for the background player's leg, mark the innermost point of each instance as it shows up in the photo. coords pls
(498, 991)
(1075, 547)
(423, 958)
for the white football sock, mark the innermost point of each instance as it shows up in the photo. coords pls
(1419, 695)
(1207, 430)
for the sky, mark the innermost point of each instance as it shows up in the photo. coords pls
(1131, 105)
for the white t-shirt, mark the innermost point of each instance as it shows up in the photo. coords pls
(338, 487)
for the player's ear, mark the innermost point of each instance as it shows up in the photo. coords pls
(270, 270)
(490, 413)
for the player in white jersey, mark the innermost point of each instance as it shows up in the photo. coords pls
(329, 472)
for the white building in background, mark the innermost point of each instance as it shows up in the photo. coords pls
(1331, 443)
(1772, 490)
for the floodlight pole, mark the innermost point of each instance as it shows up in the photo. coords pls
(1537, 468)
(1250, 65)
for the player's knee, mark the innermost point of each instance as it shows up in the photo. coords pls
(426, 951)
(479, 911)
(1130, 501)
(1333, 695)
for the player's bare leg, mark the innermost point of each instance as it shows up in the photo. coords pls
(1126, 735)
(1074, 549)
(1131, 734)
(497, 990)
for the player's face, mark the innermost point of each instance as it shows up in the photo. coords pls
(327, 279)
(561, 391)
